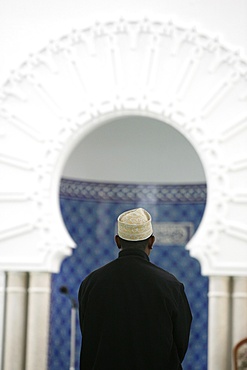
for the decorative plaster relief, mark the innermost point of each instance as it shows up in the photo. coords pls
(173, 73)
(172, 233)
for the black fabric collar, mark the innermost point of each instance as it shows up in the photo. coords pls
(133, 252)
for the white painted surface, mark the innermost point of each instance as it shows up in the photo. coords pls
(239, 298)
(2, 309)
(219, 326)
(15, 321)
(27, 26)
(39, 293)
(135, 149)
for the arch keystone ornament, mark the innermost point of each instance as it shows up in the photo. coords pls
(176, 74)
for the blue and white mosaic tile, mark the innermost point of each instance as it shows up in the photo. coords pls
(90, 211)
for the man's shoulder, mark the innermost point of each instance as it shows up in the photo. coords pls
(164, 274)
(101, 270)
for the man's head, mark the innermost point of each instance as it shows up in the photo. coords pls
(135, 230)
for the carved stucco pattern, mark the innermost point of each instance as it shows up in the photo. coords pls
(176, 74)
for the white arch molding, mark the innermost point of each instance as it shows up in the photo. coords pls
(173, 73)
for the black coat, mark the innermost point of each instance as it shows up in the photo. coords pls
(133, 316)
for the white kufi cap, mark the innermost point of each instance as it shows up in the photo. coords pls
(135, 225)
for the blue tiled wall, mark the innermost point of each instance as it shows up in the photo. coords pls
(90, 212)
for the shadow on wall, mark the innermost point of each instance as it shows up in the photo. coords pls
(90, 211)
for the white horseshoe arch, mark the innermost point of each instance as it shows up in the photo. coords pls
(159, 69)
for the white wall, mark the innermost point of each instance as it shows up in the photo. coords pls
(27, 26)
(135, 149)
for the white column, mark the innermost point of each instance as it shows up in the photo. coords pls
(2, 305)
(38, 321)
(219, 330)
(15, 321)
(239, 309)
